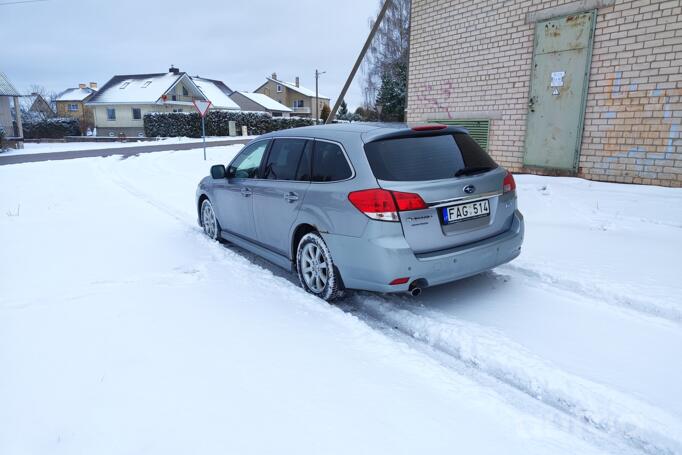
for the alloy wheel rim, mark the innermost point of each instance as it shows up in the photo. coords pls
(209, 220)
(314, 267)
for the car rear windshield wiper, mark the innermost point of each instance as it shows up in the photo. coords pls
(473, 170)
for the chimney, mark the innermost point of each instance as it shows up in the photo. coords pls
(174, 70)
(274, 76)
(81, 86)
(93, 85)
(297, 81)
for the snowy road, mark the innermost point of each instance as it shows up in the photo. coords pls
(122, 329)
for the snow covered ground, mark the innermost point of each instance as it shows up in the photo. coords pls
(124, 330)
(56, 147)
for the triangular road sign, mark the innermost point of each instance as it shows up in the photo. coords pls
(202, 106)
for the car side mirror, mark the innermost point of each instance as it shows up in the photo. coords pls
(218, 171)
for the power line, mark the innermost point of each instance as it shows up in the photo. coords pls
(21, 1)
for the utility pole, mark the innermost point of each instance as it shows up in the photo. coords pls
(317, 94)
(377, 23)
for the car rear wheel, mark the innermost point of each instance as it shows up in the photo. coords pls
(208, 220)
(315, 267)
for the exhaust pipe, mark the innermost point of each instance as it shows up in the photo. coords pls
(414, 289)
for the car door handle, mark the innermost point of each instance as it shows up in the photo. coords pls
(290, 197)
(246, 192)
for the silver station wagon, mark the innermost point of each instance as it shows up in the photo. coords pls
(377, 207)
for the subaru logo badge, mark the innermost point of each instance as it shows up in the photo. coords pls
(469, 189)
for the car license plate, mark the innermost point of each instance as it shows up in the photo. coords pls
(468, 211)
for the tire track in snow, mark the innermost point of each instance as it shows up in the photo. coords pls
(125, 185)
(640, 425)
(665, 312)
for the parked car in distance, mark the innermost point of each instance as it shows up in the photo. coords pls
(377, 207)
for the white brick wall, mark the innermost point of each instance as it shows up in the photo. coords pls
(473, 59)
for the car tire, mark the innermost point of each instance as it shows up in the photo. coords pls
(315, 268)
(209, 221)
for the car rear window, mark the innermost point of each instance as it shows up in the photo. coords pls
(425, 157)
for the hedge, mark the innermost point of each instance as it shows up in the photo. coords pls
(217, 123)
(2, 139)
(51, 128)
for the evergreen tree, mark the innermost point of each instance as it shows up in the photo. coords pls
(392, 93)
(343, 112)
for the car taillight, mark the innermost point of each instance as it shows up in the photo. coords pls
(408, 201)
(384, 205)
(376, 204)
(509, 184)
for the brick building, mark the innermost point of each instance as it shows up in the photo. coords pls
(590, 88)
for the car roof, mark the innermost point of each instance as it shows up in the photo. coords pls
(369, 131)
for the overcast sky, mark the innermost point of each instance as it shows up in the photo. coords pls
(59, 43)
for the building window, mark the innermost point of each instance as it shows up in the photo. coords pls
(73, 107)
(111, 113)
(279, 88)
(137, 113)
(184, 91)
(124, 84)
(177, 110)
(146, 84)
(174, 98)
(298, 103)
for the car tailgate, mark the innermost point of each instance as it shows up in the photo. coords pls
(426, 231)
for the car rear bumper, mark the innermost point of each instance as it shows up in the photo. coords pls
(371, 262)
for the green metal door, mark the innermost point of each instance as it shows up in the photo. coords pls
(561, 61)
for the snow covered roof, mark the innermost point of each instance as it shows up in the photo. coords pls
(216, 92)
(75, 94)
(299, 89)
(6, 87)
(265, 101)
(141, 88)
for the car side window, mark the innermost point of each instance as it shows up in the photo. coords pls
(329, 163)
(247, 163)
(283, 159)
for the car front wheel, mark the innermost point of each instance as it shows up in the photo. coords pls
(315, 267)
(208, 220)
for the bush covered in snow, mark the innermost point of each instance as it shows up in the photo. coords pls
(217, 123)
(51, 128)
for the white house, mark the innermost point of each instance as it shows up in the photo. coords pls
(120, 105)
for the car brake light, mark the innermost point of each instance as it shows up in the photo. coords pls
(408, 201)
(432, 127)
(384, 205)
(509, 184)
(377, 204)
(398, 281)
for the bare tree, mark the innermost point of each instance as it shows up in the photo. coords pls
(42, 91)
(26, 103)
(389, 50)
